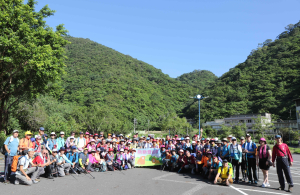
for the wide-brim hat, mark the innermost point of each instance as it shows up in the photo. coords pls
(92, 140)
(224, 140)
(110, 150)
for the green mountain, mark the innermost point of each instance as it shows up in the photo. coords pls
(267, 81)
(119, 84)
(199, 79)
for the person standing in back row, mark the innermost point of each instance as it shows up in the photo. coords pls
(11, 145)
(284, 160)
(250, 150)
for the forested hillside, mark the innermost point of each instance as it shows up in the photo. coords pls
(199, 79)
(267, 81)
(119, 84)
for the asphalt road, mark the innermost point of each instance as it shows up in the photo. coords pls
(148, 181)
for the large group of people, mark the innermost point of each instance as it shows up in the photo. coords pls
(219, 160)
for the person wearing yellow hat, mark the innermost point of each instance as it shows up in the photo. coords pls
(26, 143)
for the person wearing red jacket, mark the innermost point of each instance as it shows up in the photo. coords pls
(284, 160)
(189, 162)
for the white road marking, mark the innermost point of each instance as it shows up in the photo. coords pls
(261, 191)
(276, 174)
(165, 175)
(286, 182)
(238, 190)
(193, 190)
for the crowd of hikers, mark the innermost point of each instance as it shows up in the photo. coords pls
(221, 161)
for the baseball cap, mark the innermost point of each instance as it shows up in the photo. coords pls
(233, 138)
(28, 133)
(54, 150)
(16, 131)
(30, 149)
(81, 132)
(62, 133)
(121, 150)
(42, 129)
(277, 136)
(225, 161)
(248, 135)
(72, 137)
(73, 147)
(52, 133)
(229, 135)
(242, 138)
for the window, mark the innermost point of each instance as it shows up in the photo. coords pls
(241, 121)
(227, 122)
(249, 121)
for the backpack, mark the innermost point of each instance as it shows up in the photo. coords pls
(3, 150)
(252, 147)
(15, 162)
(103, 167)
(229, 166)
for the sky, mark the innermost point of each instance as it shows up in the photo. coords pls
(177, 36)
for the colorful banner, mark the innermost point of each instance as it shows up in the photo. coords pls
(147, 157)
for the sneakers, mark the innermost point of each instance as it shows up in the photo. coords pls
(67, 173)
(193, 172)
(255, 182)
(37, 179)
(267, 185)
(6, 182)
(290, 189)
(35, 182)
(17, 182)
(50, 177)
(263, 185)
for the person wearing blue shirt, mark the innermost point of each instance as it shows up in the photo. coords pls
(219, 144)
(73, 157)
(60, 141)
(11, 145)
(225, 149)
(249, 148)
(214, 168)
(63, 162)
(51, 143)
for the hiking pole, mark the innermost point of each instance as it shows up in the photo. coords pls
(179, 169)
(90, 174)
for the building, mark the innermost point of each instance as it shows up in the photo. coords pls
(297, 101)
(216, 124)
(291, 124)
(249, 120)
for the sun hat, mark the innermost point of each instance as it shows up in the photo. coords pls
(54, 150)
(242, 138)
(52, 133)
(182, 139)
(38, 137)
(212, 140)
(225, 161)
(96, 134)
(121, 150)
(233, 138)
(229, 136)
(62, 133)
(162, 146)
(248, 135)
(187, 138)
(181, 150)
(193, 142)
(45, 135)
(98, 149)
(176, 136)
(216, 138)
(87, 133)
(208, 139)
(219, 142)
(16, 131)
(263, 139)
(133, 149)
(178, 139)
(224, 140)
(85, 149)
(72, 137)
(126, 148)
(93, 150)
(110, 150)
(202, 139)
(28, 133)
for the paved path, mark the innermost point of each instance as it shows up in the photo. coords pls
(148, 181)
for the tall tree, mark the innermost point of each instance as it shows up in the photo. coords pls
(31, 54)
